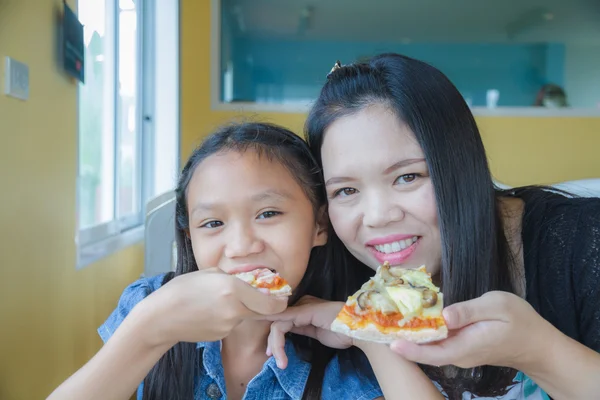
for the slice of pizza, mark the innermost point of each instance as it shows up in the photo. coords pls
(396, 303)
(264, 278)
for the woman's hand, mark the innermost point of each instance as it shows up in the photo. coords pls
(498, 328)
(204, 306)
(310, 317)
(397, 377)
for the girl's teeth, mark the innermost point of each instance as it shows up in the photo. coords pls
(396, 246)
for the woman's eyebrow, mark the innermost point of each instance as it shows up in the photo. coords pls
(402, 163)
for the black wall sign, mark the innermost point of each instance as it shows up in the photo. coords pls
(73, 46)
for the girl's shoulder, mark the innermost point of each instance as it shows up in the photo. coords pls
(131, 296)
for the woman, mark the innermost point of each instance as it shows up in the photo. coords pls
(402, 157)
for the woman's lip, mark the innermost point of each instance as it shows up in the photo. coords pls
(395, 258)
(388, 239)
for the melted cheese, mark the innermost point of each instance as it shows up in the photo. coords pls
(407, 299)
(419, 278)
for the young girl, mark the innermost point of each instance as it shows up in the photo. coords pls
(404, 165)
(249, 197)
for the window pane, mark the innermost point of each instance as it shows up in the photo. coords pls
(129, 145)
(96, 116)
(531, 52)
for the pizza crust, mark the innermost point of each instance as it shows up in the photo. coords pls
(371, 334)
(284, 291)
(251, 278)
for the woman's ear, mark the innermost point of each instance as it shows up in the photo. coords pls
(322, 227)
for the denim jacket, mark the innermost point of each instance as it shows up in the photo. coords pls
(271, 382)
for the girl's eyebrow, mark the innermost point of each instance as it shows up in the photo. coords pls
(400, 164)
(269, 194)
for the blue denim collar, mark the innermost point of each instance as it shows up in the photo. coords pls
(292, 379)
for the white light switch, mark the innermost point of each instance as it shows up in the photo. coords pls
(16, 79)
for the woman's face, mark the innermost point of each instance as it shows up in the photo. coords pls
(381, 199)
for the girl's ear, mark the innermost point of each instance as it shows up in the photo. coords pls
(321, 227)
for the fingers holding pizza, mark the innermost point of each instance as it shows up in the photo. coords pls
(310, 317)
(394, 304)
(481, 331)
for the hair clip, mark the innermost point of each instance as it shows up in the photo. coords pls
(337, 65)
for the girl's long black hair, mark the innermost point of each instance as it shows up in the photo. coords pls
(475, 251)
(330, 275)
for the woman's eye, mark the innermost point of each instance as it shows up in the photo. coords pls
(343, 192)
(268, 214)
(407, 178)
(212, 224)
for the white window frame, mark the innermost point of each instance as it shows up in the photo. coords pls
(99, 241)
(218, 105)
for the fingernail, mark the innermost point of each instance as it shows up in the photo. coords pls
(447, 314)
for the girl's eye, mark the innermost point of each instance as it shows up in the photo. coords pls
(343, 192)
(212, 224)
(268, 214)
(407, 178)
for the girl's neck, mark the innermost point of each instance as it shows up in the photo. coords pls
(248, 338)
(243, 355)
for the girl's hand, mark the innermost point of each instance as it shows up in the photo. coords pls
(310, 317)
(204, 306)
(498, 328)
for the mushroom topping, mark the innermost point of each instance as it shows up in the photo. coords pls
(388, 276)
(429, 298)
(373, 299)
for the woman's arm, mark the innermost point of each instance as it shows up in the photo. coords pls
(119, 367)
(565, 369)
(398, 377)
(502, 329)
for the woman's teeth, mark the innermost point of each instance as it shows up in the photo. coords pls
(395, 247)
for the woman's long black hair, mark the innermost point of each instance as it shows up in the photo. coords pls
(475, 251)
(328, 276)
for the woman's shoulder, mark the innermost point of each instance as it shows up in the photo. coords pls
(555, 223)
(561, 250)
(131, 296)
(350, 378)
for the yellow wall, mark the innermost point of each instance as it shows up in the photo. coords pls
(521, 150)
(48, 310)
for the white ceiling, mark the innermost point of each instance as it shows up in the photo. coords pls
(420, 20)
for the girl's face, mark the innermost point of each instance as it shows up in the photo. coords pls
(247, 212)
(381, 199)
